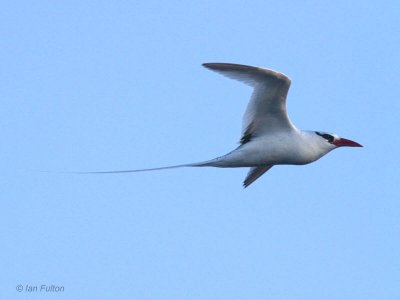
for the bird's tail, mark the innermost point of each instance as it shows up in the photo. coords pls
(211, 162)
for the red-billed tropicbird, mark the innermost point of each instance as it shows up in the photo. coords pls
(268, 136)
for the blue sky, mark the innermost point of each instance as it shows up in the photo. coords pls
(111, 85)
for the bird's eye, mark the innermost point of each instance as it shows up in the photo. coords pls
(326, 136)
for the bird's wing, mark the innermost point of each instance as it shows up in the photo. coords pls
(266, 111)
(254, 174)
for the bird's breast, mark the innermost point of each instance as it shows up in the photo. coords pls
(281, 150)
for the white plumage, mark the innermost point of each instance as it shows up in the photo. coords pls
(268, 136)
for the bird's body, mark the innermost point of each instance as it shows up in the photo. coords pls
(286, 148)
(268, 136)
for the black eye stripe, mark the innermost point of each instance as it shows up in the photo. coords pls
(326, 136)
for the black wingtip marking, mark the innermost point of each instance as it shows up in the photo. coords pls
(245, 184)
(254, 174)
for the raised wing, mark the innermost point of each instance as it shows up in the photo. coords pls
(266, 111)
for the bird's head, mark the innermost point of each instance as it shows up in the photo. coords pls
(333, 141)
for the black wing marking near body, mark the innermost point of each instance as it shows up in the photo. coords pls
(248, 134)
